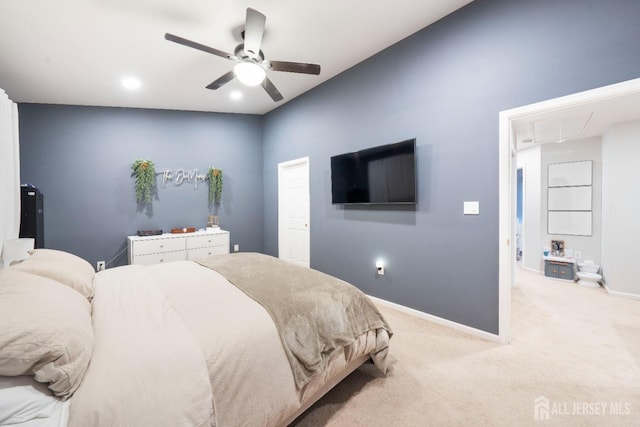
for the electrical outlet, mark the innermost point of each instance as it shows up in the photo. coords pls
(100, 265)
(236, 248)
(380, 268)
(577, 254)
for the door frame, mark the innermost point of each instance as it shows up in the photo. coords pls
(505, 165)
(523, 237)
(281, 218)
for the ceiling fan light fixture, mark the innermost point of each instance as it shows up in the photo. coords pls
(249, 73)
(249, 58)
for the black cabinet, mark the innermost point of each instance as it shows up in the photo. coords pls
(32, 215)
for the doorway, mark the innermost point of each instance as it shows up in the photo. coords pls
(519, 238)
(293, 212)
(602, 97)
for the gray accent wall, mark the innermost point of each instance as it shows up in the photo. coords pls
(444, 86)
(80, 158)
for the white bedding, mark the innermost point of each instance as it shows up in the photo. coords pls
(251, 378)
(247, 365)
(146, 368)
(172, 344)
(24, 402)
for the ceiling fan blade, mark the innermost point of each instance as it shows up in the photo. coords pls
(295, 67)
(271, 90)
(195, 45)
(253, 32)
(217, 84)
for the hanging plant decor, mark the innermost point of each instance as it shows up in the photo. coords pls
(144, 172)
(214, 176)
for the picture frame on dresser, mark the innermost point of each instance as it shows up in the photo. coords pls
(557, 247)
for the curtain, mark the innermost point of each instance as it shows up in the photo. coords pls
(9, 170)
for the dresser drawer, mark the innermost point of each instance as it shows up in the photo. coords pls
(153, 246)
(221, 239)
(156, 258)
(205, 252)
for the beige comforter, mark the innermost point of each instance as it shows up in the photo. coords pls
(144, 359)
(315, 314)
(178, 345)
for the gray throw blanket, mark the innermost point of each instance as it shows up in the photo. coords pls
(315, 314)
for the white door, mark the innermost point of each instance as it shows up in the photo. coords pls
(293, 211)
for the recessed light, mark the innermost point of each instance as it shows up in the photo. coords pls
(131, 83)
(235, 95)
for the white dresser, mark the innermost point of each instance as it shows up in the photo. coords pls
(177, 247)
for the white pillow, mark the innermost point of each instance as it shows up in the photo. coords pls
(63, 267)
(46, 331)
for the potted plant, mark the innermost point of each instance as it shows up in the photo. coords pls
(214, 176)
(144, 172)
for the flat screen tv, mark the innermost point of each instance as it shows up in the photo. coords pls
(380, 175)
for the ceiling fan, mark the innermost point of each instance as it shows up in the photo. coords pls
(250, 62)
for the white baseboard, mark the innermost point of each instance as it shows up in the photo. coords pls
(533, 270)
(621, 294)
(439, 320)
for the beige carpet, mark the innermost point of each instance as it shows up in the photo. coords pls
(576, 347)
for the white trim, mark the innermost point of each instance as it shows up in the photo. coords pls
(621, 294)
(505, 210)
(505, 229)
(439, 320)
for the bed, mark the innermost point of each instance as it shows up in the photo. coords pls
(243, 339)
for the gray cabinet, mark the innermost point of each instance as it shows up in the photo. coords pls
(559, 270)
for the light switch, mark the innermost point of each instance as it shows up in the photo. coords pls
(472, 208)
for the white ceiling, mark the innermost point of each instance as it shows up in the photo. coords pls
(582, 121)
(77, 51)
